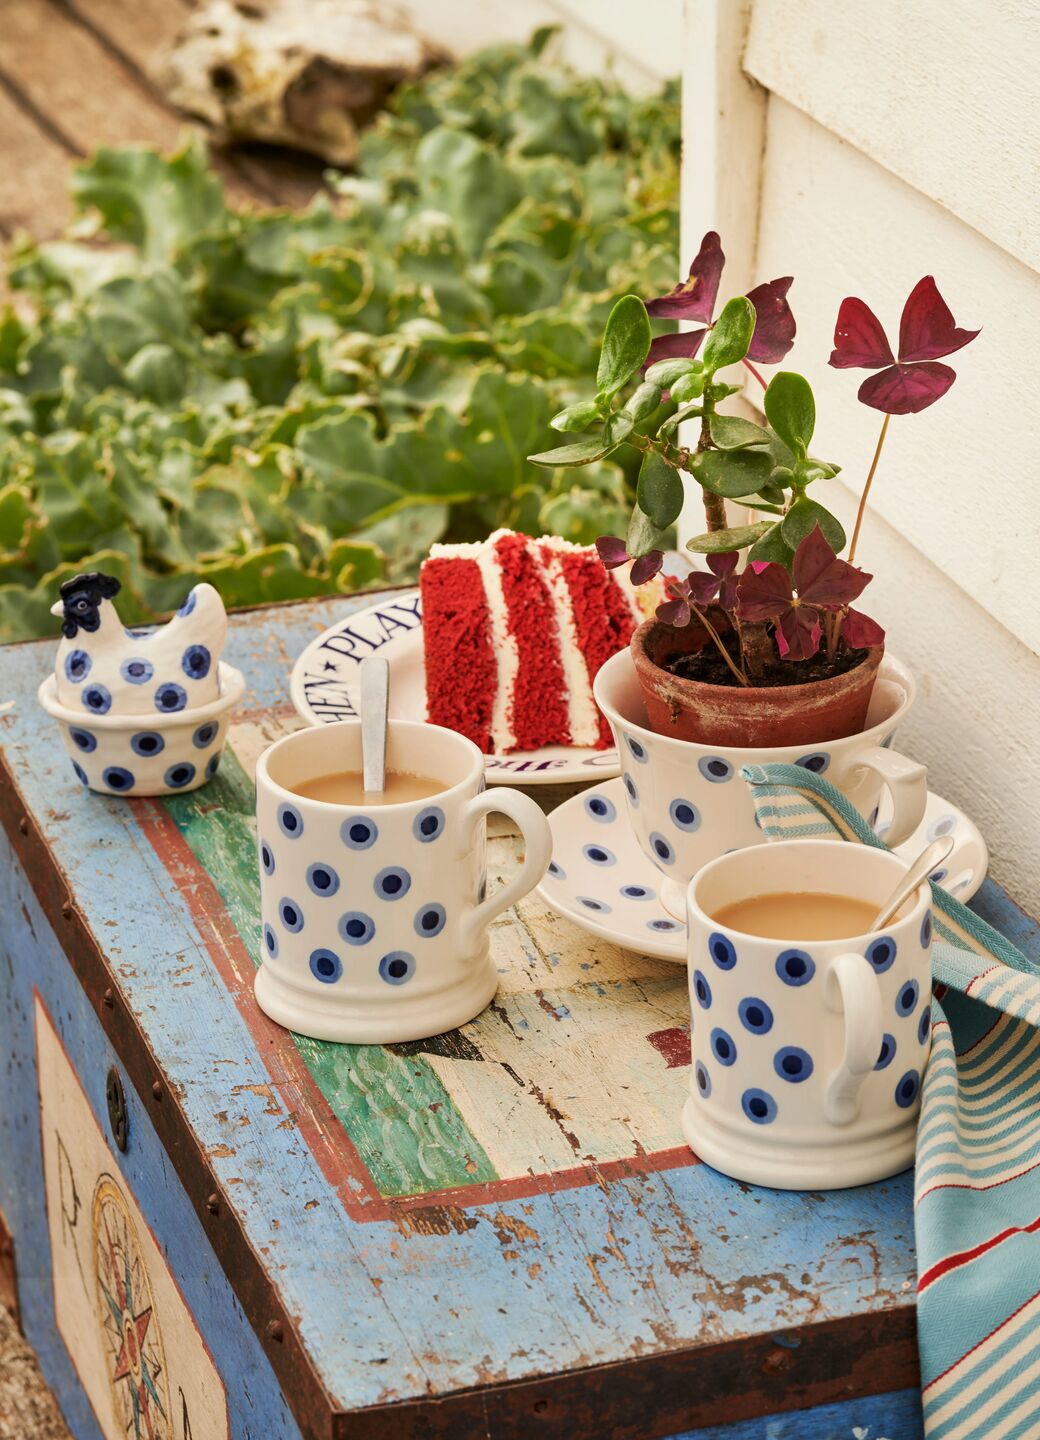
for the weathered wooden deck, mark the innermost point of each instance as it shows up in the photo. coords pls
(75, 74)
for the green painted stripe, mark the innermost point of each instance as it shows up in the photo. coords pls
(394, 1108)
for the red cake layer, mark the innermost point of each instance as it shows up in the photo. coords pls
(461, 670)
(603, 617)
(539, 710)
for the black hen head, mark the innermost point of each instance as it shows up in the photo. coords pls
(81, 597)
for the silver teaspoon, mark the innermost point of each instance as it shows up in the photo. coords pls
(931, 856)
(375, 687)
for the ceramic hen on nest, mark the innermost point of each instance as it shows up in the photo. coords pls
(142, 712)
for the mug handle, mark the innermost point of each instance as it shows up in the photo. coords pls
(534, 828)
(852, 986)
(907, 783)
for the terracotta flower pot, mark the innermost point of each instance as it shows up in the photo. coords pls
(745, 715)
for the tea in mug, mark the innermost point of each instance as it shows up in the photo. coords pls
(799, 915)
(347, 787)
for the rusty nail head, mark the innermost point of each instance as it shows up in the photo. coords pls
(213, 1204)
(108, 998)
(66, 910)
(23, 825)
(157, 1090)
(275, 1331)
(540, 1407)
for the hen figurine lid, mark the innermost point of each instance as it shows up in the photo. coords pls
(103, 667)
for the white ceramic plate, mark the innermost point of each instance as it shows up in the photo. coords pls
(617, 898)
(325, 688)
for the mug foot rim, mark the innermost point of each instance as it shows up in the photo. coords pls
(799, 1167)
(390, 1022)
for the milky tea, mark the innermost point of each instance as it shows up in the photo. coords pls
(799, 915)
(347, 787)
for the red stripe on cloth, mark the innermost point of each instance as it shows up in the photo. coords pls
(995, 1331)
(964, 1257)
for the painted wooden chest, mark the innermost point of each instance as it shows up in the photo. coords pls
(218, 1230)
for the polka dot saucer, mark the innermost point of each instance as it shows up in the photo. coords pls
(600, 878)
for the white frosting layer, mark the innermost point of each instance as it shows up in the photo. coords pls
(502, 643)
(582, 714)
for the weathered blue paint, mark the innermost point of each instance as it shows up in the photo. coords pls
(895, 1416)
(401, 1308)
(31, 957)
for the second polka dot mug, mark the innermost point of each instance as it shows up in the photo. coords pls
(374, 918)
(808, 1055)
(687, 803)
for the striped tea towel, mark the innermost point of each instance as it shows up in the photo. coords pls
(977, 1181)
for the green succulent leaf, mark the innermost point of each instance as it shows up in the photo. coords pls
(720, 542)
(576, 417)
(644, 535)
(659, 492)
(626, 341)
(771, 547)
(730, 337)
(643, 402)
(803, 516)
(730, 432)
(688, 387)
(791, 410)
(666, 372)
(731, 473)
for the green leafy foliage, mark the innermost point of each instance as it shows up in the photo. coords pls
(728, 341)
(791, 410)
(297, 404)
(626, 341)
(720, 542)
(659, 491)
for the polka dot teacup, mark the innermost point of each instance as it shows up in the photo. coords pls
(687, 803)
(374, 917)
(808, 1055)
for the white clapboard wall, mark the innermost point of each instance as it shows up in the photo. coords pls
(859, 147)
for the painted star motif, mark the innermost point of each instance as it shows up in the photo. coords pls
(331, 665)
(128, 1355)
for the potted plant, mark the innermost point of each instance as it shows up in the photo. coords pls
(772, 652)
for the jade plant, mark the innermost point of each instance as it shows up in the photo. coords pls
(791, 603)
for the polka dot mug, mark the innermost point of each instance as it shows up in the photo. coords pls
(374, 917)
(687, 803)
(808, 1055)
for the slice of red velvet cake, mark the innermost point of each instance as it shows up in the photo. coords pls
(514, 631)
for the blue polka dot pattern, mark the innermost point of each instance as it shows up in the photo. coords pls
(147, 743)
(661, 848)
(81, 774)
(907, 1089)
(795, 967)
(636, 892)
(270, 942)
(887, 1052)
(137, 672)
(179, 775)
(195, 662)
(356, 927)
(118, 779)
(428, 824)
(944, 825)
(926, 930)
(703, 1079)
(325, 966)
(290, 821)
(906, 1000)
(266, 858)
(924, 1026)
(205, 735)
(599, 907)
(759, 1106)
(938, 876)
(702, 990)
(817, 762)
(322, 879)
(392, 883)
(557, 871)
(663, 925)
(722, 1047)
(636, 750)
(430, 921)
(77, 665)
(290, 914)
(722, 950)
(755, 1015)
(213, 765)
(170, 698)
(599, 855)
(189, 605)
(793, 1064)
(599, 808)
(97, 698)
(715, 769)
(684, 815)
(397, 967)
(881, 953)
(83, 740)
(633, 793)
(359, 832)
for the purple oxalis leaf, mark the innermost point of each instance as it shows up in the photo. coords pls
(774, 322)
(694, 297)
(859, 631)
(926, 328)
(907, 389)
(612, 551)
(821, 579)
(647, 566)
(683, 346)
(859, 341)
(798, 633)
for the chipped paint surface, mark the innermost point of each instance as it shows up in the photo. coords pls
(593, 1253)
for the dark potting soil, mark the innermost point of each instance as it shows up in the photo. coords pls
(708, 667)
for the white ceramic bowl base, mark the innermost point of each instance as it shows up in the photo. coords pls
(618, 897)
(136, 755)
(808, 1055)
(374, 917)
